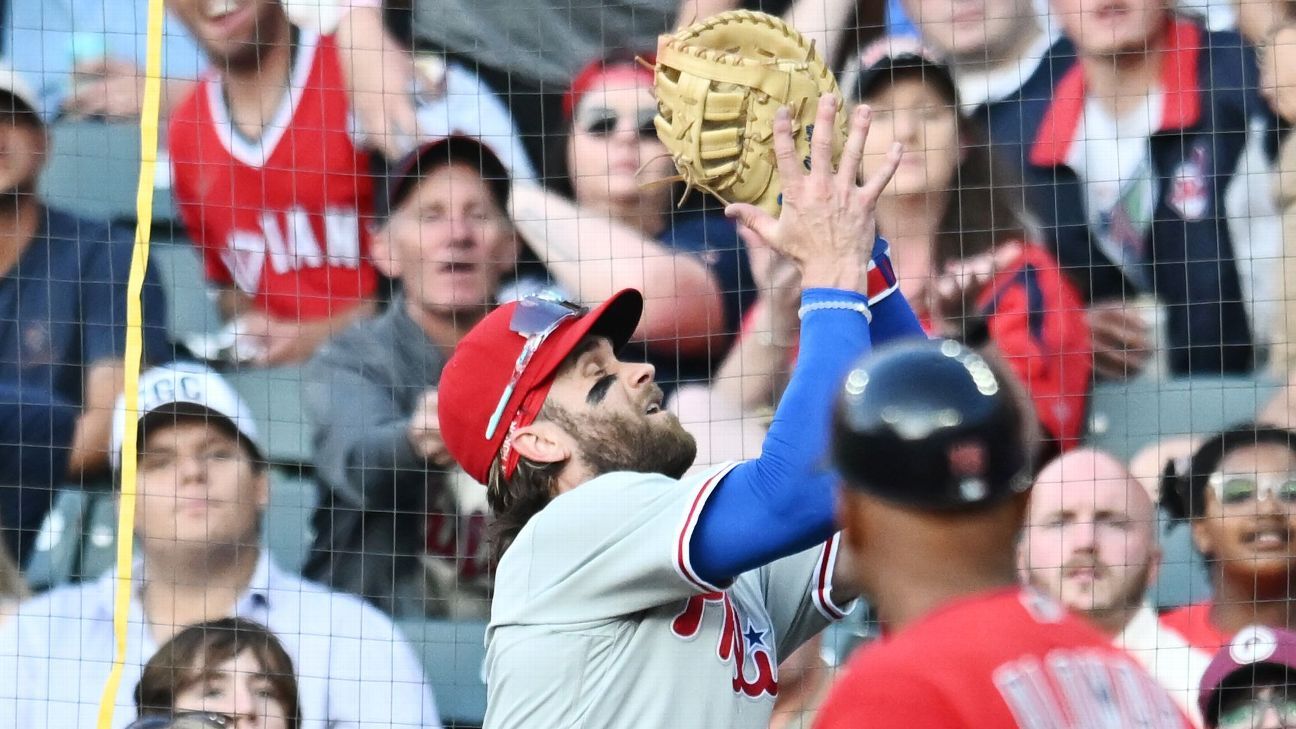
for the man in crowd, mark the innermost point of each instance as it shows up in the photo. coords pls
(400, 526)
(202, 485)
(1091, 543)
(930, 440)
(1148, 172)
(271, 182)
(62, 329)
(997, 50)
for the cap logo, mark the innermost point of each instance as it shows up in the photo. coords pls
(185, 388)
(1253, 645)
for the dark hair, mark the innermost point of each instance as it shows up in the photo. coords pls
(1183, 486)
(194, 653)
(517, 498)
(985, 206)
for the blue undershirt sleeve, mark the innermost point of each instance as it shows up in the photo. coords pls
(782, 503)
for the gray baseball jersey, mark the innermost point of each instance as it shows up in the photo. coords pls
(599, 620)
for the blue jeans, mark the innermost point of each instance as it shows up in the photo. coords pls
(36, 429)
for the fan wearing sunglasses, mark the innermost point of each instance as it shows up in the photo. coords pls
(616, 228)
(1238, 493)
(230, 673)
(650, 598)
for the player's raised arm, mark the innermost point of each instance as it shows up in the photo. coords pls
(782, 502)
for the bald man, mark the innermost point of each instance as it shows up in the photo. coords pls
(1091, 542)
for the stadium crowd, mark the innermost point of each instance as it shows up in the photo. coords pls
(1098, 195)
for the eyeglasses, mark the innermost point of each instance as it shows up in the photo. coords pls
(184, 720)
(535, 318)
(1250, 715)
(601, 121)
(1235, 490)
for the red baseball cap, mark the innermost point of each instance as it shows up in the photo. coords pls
(481, 368)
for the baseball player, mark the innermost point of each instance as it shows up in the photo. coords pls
(627, 596)
(929, 440)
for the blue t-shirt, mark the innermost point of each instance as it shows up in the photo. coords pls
(63, 306)
(712, 237)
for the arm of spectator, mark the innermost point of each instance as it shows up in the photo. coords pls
(88, 456)
(691, 11)
(361, 436)
(381, 76)
(1278, 70)
(595, 256)
(1122, 345)
(755, 371)
(824, 22)
(113, 89)
(1256, 19)
(288, 341)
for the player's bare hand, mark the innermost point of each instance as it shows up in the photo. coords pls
(825, 215)
(424, 431)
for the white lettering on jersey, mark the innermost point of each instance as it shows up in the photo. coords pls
(291, 241)
(244, 258)
(1095, 691)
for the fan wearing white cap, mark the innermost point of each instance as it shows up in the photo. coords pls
(202, 484)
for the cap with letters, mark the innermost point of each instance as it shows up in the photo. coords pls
(187, 389)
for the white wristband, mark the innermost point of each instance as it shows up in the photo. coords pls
(858, 306)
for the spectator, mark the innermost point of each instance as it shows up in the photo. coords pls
(62, 329)
(400, 525)
(1250, 683)
(202, 487)
(271, 184)
(997, 50)
(1278, 79)
(1091, 544)
(1148, 173)
(1237, 493)
(960, 247)
(618, 231)
(86, 59)
(231, 667)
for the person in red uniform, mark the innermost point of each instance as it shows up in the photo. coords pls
(270, 180)
(1238, 492)
(959, 242)
(929, 440)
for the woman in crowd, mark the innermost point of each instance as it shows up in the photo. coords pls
(1238, 492)
(960, 248)
(231, 668)
(618, 228)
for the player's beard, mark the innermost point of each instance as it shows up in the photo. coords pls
(619, 442)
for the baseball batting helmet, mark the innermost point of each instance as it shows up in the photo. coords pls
(932, 425)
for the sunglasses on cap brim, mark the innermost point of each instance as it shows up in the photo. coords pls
(535, 318)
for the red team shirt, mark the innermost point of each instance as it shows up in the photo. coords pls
(284, 217)
(1008, 658)
(1193, 623)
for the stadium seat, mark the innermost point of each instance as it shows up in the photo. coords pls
(56, 551)
(454, 654)
(287, 529)
(190, 309)
(1124, 418)
(275, 396)
(93, 170)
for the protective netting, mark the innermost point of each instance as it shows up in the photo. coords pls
(1098, 197)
